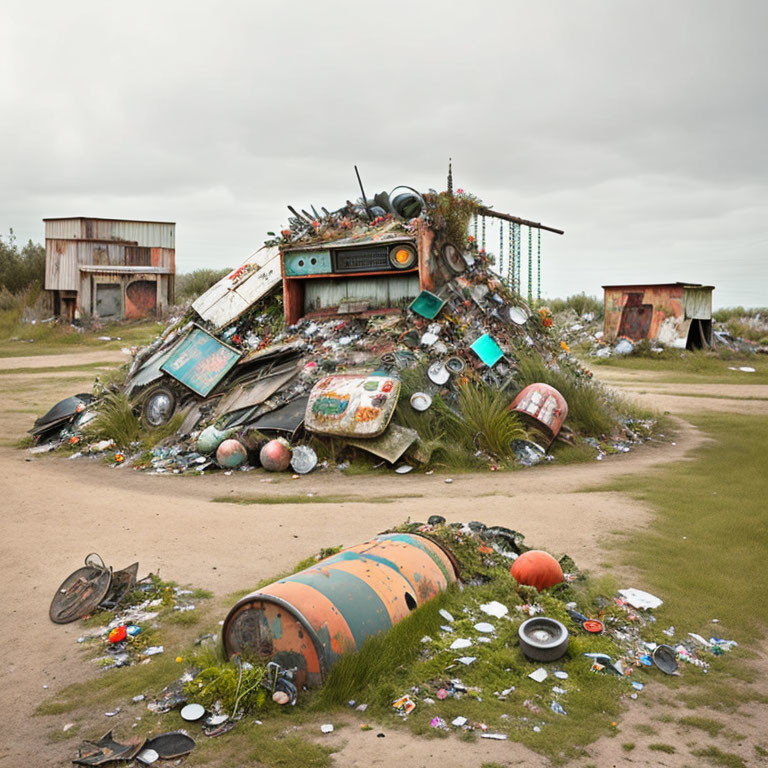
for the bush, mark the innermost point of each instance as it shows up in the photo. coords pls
(23, 268)
(580, 303)
(190, 285)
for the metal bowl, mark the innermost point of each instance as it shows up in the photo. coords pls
(543, 639)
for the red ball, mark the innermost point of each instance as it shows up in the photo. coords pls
(537, 569)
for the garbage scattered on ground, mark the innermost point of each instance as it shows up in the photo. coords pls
(129, 607)
(248, 363)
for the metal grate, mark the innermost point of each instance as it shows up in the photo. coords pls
(362, 260)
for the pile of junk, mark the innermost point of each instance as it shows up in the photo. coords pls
(302, 355)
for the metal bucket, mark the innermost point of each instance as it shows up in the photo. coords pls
(308, 620)
(543, 408)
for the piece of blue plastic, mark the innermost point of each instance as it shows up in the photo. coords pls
(487, 350)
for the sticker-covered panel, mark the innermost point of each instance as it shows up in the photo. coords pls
(352, 405)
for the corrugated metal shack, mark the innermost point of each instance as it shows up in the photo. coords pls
(672, 314)
(109, 268)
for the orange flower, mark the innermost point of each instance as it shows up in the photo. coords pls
(564, 347)
(119, 458)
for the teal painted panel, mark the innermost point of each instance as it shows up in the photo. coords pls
(307, 263)
(200, 361)
(359, 605)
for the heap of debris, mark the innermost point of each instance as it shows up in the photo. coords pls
(380, 301)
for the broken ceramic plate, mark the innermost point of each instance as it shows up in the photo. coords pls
(404, 469)
(539, 675)
(459, 721)
(495, 609)
(446, 615)
(484, 626)
(327, 728)
(467, 660)
(459, 643)
(147, 756)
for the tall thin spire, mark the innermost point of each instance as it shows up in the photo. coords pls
(450, 177)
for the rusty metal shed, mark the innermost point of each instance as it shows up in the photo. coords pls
(109, 268)
(672, 314)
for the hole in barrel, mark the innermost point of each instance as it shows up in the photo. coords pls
(410, 601)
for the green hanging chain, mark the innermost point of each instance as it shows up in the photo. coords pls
(519, 278)
(501, 250)
(530, 266)
(474, 224)
(538, 266)
(510, 262)
(483, 243)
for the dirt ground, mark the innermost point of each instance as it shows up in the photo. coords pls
(57, 510)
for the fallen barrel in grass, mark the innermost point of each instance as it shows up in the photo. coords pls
(309, 619)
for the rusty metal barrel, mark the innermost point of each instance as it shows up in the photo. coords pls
(308, 620)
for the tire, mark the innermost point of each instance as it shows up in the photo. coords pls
(159, 406)
(543, 639)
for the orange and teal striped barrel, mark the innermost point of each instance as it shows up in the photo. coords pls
(307, 620)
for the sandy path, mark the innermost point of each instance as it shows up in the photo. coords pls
(56, 511)
(64, 359)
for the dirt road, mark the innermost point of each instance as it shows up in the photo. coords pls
(56, 511)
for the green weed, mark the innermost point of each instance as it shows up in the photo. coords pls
(718, 757)
(712, 727)
(296, 498)
(668, 748)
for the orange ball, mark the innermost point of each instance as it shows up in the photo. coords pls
(537, 569)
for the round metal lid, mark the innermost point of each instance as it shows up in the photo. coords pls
(80, 594)
(438, 373)
(518, 315)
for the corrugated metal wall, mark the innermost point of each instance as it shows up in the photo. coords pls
(381, 291)
(144, 233)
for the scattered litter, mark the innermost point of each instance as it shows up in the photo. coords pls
(557, 708)
(327, 728)
(460, 643)
(639, 599)
(446, 615)
(459, 721)
(484, 626)
(495, 736)
(495, 609)
(539, 675)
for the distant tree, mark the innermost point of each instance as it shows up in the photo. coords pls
(21, 268)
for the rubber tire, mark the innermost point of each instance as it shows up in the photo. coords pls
(550, 649)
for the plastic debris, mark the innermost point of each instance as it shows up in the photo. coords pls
(539, 675)
(495, 609)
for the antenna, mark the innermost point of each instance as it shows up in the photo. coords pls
(450, 177)
(365, 199)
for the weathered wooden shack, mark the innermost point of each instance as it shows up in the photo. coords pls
(109, 268)
(672, 314)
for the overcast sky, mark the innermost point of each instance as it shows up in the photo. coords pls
(638, 128)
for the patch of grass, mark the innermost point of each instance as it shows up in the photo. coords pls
(573, 454)
(296, 498)
(761, 752)
(61, 735)
(668, 748)
(692, 367)
(85, 367)
(709, 511)
(628, 746)
(182, 618)
(115, 421)
(645, 728)
(718, 757)
(712, 727)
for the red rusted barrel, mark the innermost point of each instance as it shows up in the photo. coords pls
(309, 619)
(543, 408)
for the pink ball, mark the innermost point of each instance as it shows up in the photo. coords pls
(275, 456)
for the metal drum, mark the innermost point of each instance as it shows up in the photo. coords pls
(308, 620)
(543, 408)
